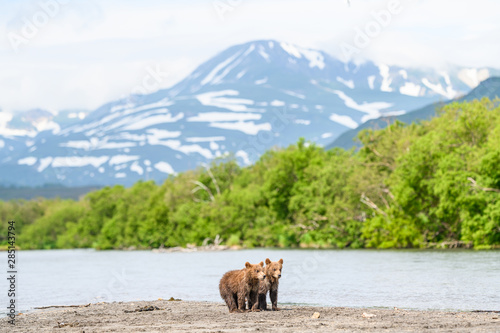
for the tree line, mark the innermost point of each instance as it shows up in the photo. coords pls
(426, 185)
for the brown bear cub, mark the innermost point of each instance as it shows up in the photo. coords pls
(273, 274)
(237, 285)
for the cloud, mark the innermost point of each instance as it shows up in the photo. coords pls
(92, 52)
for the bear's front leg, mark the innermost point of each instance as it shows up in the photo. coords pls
(274, 299)
(251, 300)
(262, 302)
(253, 297)
(241, 300)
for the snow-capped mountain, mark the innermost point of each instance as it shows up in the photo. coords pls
(244, 101)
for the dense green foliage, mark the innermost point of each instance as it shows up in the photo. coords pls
(422, 185)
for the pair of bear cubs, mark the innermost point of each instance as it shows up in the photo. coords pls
(252, 282)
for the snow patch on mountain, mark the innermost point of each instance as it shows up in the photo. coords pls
(302, 121)
(394, 113)
(154, 120)
(135, 167)
(47, 125)
(95, 143)
(263, 53)
(241, 74)
(78, 161)
(214, 146)
(249, 128)
(473, 76)
(79, 115)
(403, 73)
(80, 144)
(117, 145)
(162, 134)
(120, 159)
(315, 58)
(213, 73)
(218, 79)
(438, 88)
(348, 83)
(371, 81)
(261, 81)
(410, 89)
(294, 94)
(277, 103)
(92, 125)
(30, 160)
(244, 156)
(291, 50)
(44, 163)
(186, 149)
(371, 109)
(343, 120)
(123, 106)
(386, 80)
(10, 132)
(206, 139)
(156, 105)
(224, 116)
(215, 98)
(164, 167)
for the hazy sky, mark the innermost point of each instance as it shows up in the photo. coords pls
(59, 54)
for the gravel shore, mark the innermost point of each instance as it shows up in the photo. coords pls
(186, 316)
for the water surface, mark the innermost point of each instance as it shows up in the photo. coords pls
(450, 280)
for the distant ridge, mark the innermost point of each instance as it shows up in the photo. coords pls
(489, 88)
(46, 192)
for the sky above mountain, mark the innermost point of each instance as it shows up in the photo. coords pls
(59, 54)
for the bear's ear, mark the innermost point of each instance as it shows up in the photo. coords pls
(268, 261)
(281, 261)
(248, 265)
(262, 264)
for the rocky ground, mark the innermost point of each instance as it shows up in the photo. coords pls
(182, 316)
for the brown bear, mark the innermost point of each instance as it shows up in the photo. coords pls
(273, 274)
(237, 285)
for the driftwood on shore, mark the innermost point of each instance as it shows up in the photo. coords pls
(215, 246)
(451, 245)
(63, 306)
(193, 248)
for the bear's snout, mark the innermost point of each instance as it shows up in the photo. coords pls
(279, 276)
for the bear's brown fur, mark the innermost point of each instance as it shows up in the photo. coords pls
(237, 285)
(273, 271)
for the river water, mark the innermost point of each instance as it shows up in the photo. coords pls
(448, 280)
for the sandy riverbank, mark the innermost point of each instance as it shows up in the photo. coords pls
(182, 316)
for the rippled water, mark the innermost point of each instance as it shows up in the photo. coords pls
(458, 280)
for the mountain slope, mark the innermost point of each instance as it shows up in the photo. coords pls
(489, 88)
(243, 101)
